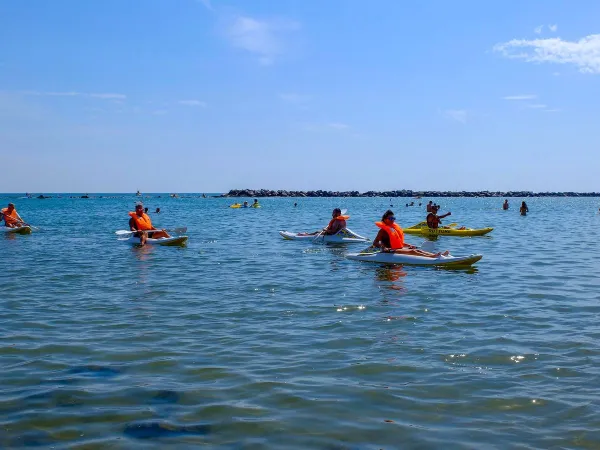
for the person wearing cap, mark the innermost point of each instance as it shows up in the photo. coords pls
(433, 220)
(11, 216)
(141, 223)
(391, 238)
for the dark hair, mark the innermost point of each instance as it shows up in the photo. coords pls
(338, 211)
(386, 214)
(11, 204)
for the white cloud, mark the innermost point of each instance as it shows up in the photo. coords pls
(584, 53)
(78, 94)
(263, 38)
(520, 97)
(460, 115)
(538, 30)
(338, 126)
(291, 97)
(552, 110)
(192, 103)
(553, 28)
(206, 4)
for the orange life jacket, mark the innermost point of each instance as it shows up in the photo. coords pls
(143, 222)
(395, 233)
(10, 218)
(337, 218)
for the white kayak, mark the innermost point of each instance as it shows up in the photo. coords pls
(401, 258)
(17, 230)
(171, 241)
(345, 236)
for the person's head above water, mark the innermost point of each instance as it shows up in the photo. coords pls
(336, 212)
(139, 208)
(388, 217)
(11, 206)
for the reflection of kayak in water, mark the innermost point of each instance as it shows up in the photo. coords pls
(17, 230)
(424, 230)
(401, 258)
(171, 241)
(345, 236)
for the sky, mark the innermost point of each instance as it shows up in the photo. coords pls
(211, 95)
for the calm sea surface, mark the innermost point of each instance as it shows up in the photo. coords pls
(244, 340)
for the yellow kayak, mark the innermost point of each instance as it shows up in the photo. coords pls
(424, 230)
(236, 205)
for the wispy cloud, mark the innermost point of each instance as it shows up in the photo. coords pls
(520, 97)
(193, 103)
(460, 115)
(338, 126)
(584, 53)
(538, 30)
(103, 96)
(263, 38)
(207, 4)
(552, 110)
(291, 97)
(553, 28)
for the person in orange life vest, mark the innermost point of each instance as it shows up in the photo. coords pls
(391, 238)
(11, 216)
(141, 223)
(433, 220)
(336, 224)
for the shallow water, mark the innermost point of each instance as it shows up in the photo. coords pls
(244, 340)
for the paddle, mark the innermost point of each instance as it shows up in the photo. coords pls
(426, 246)
(174, 230)
(320, 234)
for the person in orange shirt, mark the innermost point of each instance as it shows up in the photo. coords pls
(11, 217)
(391, 238)
(140, 223)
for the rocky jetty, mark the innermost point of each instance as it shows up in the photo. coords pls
(400, 193)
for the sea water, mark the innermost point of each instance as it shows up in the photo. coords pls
(244, 340)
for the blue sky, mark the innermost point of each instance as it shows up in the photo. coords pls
(207, 96)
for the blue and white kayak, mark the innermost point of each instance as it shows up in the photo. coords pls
(345, 236)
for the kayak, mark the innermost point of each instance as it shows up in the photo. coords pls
(236, 205)
(17, 230)
(345, 236)
(414, 260)
(424, 230)
(254, 205)
(171, 241)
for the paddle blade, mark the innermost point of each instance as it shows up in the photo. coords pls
(428, 246)
(123, 232)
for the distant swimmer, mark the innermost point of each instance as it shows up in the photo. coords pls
(433, 220)
(505, 205)
(141, 223)
(429, 206)
(157, 211)
(523, 209)
(245, 205)
(11, 216)
(390, 238)
(295, 205)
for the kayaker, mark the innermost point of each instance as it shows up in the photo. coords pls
(336, 224)
(430, 206)
(140, 223)
(11, 216)
(245, 205)
(433, 220)
(505, 205)
(523, 209)
(255, 204)
(391, 238)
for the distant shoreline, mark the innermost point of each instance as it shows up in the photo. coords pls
(402, 193)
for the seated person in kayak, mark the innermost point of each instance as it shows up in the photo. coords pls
(141, 223)
(391, 238)
(336, 224)
(255, 204)
(245, 205)
(11, 217)
(433, 220)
